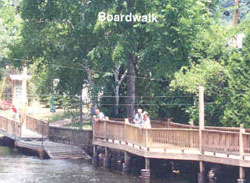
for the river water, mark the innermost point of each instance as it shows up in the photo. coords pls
(18, 168)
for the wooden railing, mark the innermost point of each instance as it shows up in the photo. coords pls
(10, 126)
(135, 135)
(232, 141)
(81, 138)
(221, 141)
(114, 130)
(187, 138)
(37, 126)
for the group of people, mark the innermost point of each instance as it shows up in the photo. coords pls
(141, 118)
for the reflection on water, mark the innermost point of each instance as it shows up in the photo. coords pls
(17, 168)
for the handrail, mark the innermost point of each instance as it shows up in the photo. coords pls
(39, 126)
(10, 126)
(226, 140)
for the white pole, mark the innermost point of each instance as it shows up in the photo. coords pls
(201, 108)
(201, 116)
(24, 94)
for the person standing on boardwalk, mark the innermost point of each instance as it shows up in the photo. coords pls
(99, 114)
(146, 120)
(15, 113)
(138, 120)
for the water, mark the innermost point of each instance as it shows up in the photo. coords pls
(18, 168)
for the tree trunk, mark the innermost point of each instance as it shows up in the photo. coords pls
(81, 121)
(117, 99)
(91, 87)
(118, 83)
(131, 89)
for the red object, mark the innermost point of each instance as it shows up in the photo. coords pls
(14, 109)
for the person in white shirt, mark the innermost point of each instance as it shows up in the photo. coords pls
(146, 120)
(99, 114)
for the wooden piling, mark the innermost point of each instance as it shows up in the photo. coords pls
(106, 158)
(201, 174)
(145, 173)
(241, 144)
(95, 156)
(125, 165)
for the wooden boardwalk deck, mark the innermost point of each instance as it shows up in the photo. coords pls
(34, 136)
(229, 146)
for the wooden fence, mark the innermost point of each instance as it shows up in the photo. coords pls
(82, 138)
(214, 139)
(37, 126)
(10, 126)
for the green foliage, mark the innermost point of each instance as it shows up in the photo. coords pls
(171, 58)
(238, 107)
(208, 73)
(213, 77)
(10, 26)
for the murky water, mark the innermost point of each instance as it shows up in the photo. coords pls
(18, 168)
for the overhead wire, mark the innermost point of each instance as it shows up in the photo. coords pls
(84, 68)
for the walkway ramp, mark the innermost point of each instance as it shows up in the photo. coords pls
(54, 150)
(33, 135)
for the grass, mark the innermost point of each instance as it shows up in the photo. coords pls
(60, 116)
(85, 126)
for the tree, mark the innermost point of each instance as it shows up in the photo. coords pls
(237, 109)
(10, 26)
(213, 76)
(129, 59)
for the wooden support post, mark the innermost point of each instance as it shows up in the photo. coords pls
(201, 174)
(94, 149)
(125, 165)
(241, 142)
(145, 173)
(106, 158)
(147, 163)
(241, 175)
(15, 147)
(95, 156)
(41, 154)
(201, 117)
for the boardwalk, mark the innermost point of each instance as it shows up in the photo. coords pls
(34, 137)
(168, 140)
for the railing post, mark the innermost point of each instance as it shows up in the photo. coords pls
(168, 123)
(146, 135)
(125, 130)
(93, 126)
(201, 117)
(241, 151)
(241, 141)
(105, 130)
(201, 174)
